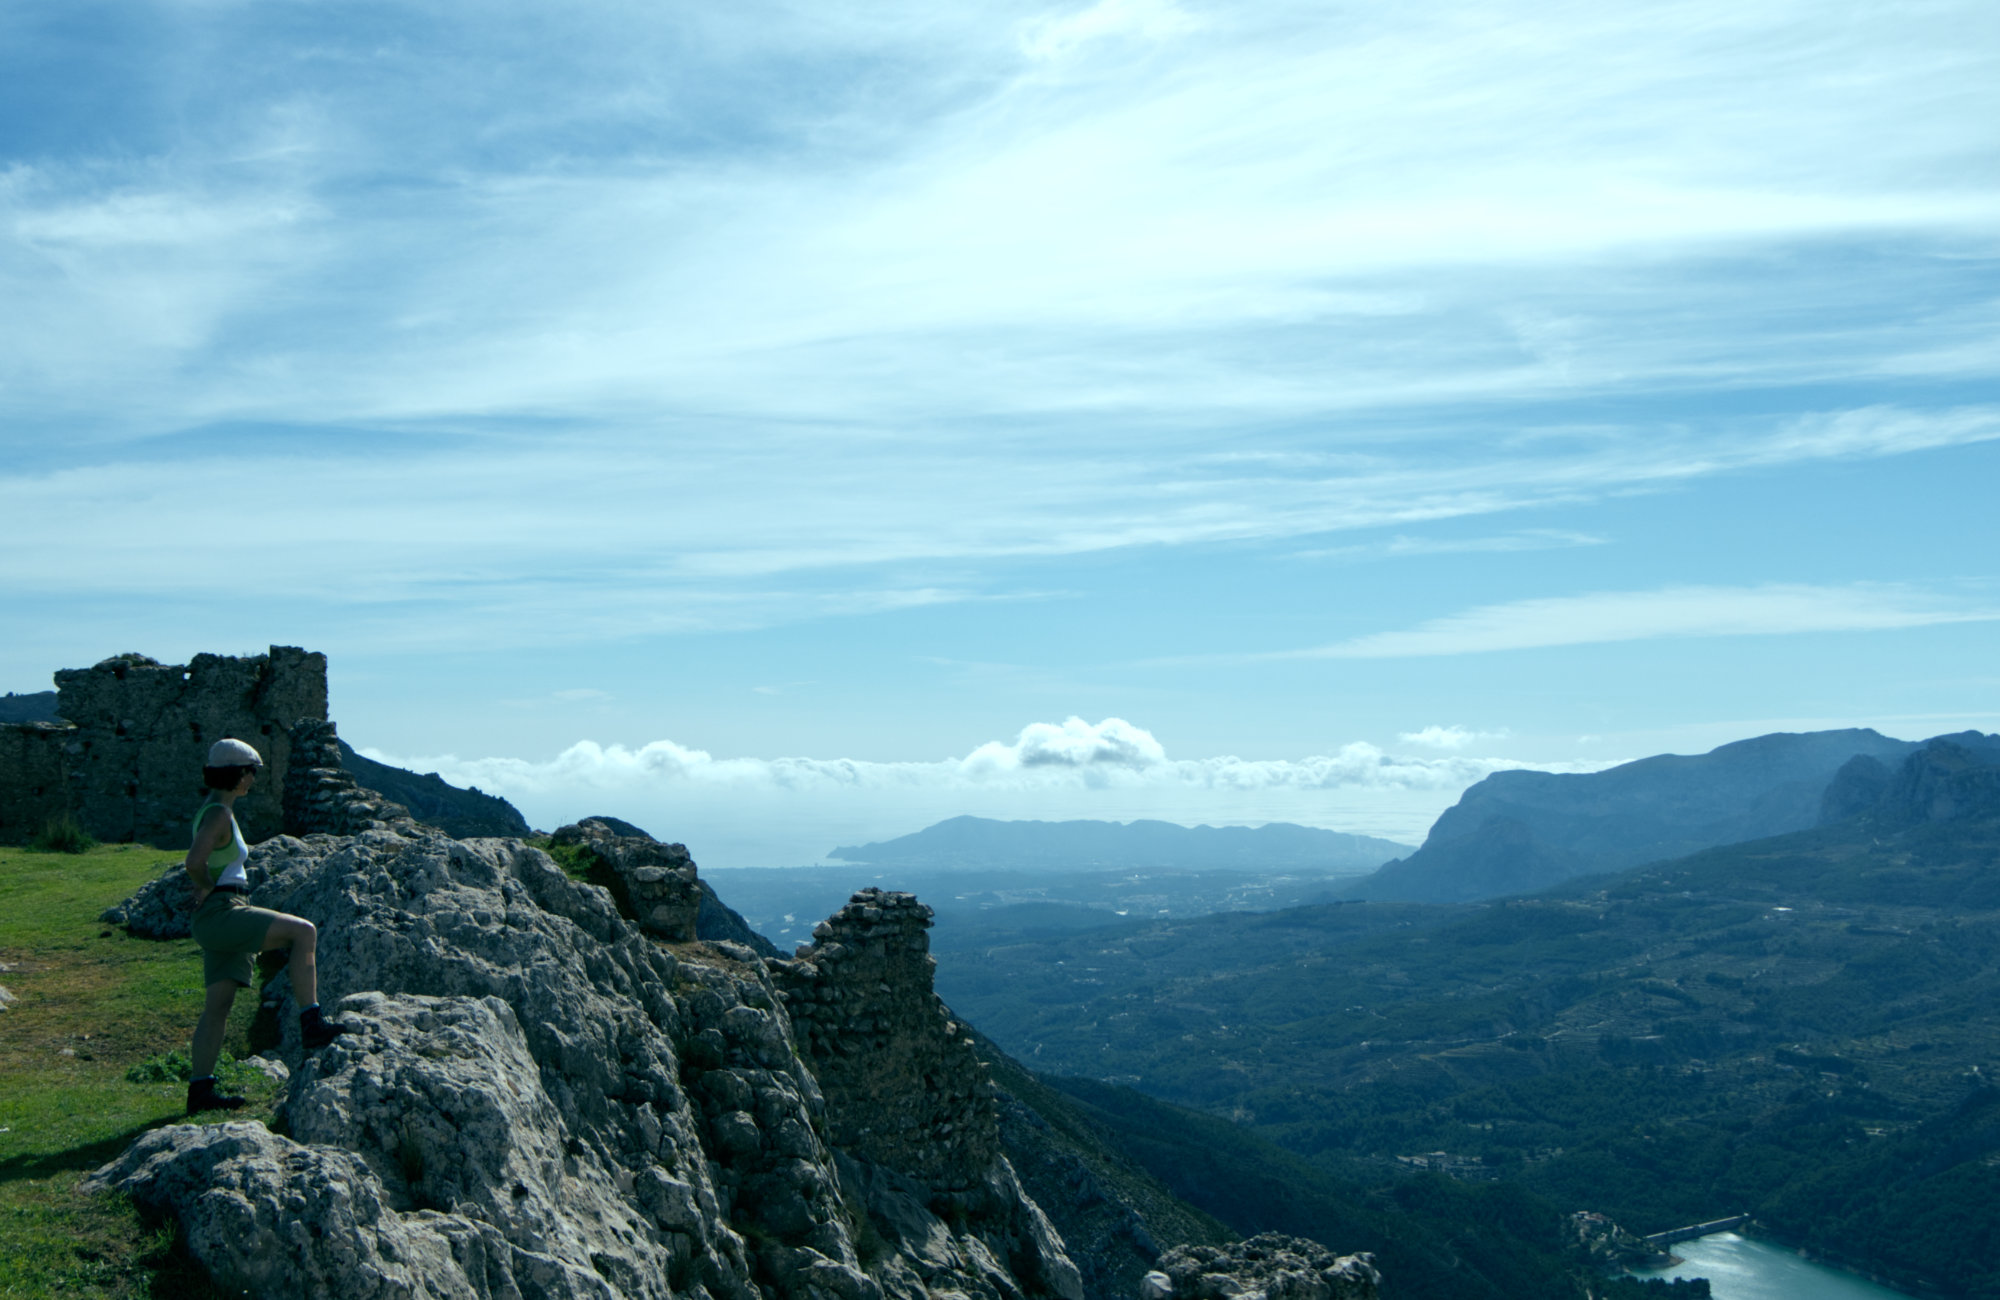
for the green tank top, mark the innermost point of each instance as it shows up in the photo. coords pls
(234, 848)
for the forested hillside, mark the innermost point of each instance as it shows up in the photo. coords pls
(1801, 1027)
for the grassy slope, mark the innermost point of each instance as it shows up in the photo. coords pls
(91, 1003)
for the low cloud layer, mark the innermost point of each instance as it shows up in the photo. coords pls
(788, 811)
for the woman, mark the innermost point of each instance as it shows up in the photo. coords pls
(231, 932)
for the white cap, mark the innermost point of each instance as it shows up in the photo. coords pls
(233, 753)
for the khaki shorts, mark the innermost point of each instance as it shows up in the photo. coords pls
(231, 934)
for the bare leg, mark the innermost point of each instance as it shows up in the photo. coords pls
(208, 1030)
(298, 934)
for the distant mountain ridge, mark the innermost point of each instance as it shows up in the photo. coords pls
(463, 814)
(1802, 1027)
(1520, 831)
(983, 843)
(33, 706)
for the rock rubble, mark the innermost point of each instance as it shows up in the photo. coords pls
(1269, 1266)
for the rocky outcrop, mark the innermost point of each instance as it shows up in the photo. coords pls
(1952, 778)
(1854, 788)
(1266, 1267)
(164, 908)
(1610, 1249)
(1114, 1220)
(542, 1099)
(654, 883)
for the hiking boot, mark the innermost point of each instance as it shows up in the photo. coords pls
(315, 1031)
(203, 1096)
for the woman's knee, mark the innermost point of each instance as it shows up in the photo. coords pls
(291, 932)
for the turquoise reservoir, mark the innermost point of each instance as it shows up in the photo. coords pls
(1738, 1268)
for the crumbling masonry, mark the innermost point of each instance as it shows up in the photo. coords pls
(126, 759)
(903, 1085)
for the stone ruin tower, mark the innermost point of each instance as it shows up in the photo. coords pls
(126, 759)
(903, 1084)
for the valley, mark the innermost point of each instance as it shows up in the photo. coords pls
(1803, 1028)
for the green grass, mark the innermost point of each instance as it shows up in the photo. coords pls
(92, 1004)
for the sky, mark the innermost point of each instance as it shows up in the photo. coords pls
(789, 425)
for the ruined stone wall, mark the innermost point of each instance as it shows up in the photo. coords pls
(320, 797)
(902, 1082)
(34, 777)
(128, 762)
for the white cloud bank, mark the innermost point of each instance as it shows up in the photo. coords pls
(787, 811)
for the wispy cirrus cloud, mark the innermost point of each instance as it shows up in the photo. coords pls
(1774, 609)
(1527, 539)
(616, 321)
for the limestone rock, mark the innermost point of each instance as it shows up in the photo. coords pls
(163, 908)
(1269, 1266)
(268, 1216)
(539, 1099)
(1112, 1222)
(658, 880)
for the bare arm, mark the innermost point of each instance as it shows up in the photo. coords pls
(215, 828)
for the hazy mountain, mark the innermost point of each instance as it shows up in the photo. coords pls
(1801, 1027)
(978, 842)
(976, 907)
(36, 706)
(1516, 832)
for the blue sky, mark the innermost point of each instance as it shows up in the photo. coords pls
(775, 424)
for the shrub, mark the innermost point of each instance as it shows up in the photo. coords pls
(62, 834)
(175, 1067)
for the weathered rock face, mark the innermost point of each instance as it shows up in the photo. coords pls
(1952, 778)
(622, 850)
(1107, 1236)
(164, 908)
(657, 880)
(541, 1100)
(1266, 1267)
(904, 1086)
(127, 760)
